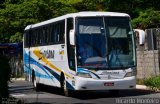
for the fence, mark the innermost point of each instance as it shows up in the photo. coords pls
(14, 53)
(16, 64)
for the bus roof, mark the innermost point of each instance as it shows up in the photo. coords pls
(79, 14)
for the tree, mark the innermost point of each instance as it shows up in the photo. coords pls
(15, 15)
(16, 38)
(148, 19)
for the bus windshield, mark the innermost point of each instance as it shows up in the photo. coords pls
(104, 42)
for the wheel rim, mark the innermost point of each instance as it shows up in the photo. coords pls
(65, 88)
(64, 85)
(34, 82)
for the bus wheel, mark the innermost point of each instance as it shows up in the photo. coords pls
(65, 89)
(35, 84)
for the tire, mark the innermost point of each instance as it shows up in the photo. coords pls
(66, 91)
(35, 84)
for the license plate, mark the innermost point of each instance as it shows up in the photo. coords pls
(109, 84)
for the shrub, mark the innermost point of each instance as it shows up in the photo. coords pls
(4, 76)
(140, 81)
(153, 82)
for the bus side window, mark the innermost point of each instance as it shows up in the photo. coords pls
(43, 36)
(49, 35)
(62, 30)
(59, 29)
(56, 33)
(26, 39)
(31, 37)
(40, 36)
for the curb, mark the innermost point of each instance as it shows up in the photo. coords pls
(142, 87)
(17, 79)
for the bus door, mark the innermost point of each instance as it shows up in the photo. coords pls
(70, 48)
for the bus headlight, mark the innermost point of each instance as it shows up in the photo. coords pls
(132, 73)
(85, 75)
(129, 74)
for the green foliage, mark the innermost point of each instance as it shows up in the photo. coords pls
(16, 38)
(4, 76)
(153, 82)
(140, 81)
(147, 19)
(15, 15)
(90, 5)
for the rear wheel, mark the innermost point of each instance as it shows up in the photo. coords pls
(35, 84)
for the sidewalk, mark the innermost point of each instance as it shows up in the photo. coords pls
(17, 79)
(143, 87)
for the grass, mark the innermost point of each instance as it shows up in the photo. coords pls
(153, 82)
(140, 81)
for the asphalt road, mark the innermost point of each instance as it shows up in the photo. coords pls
(24, 91)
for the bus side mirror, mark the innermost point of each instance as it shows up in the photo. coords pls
(140, 34)
(72, 37)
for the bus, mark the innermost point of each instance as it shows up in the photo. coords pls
(82, 51)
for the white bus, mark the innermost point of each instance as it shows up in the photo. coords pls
(82, 51)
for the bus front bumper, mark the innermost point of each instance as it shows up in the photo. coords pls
(110, 84)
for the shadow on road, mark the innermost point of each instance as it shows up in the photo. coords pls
(106, 94)
(80, 94)
(20, 89)
(98, 94)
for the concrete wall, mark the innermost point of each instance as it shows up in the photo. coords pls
(148, 63)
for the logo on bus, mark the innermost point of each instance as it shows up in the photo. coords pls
(48, 53)
(109, 72)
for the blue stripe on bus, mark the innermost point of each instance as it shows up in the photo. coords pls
(37, 64)
(41, 67)
(44, 68)
(27, 71)
(53, 73)
(69, 86)
(86, 71)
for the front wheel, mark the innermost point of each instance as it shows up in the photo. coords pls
(65, 89)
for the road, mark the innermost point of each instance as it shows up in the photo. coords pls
(24, 91)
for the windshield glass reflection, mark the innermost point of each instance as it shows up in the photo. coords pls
(106, 43)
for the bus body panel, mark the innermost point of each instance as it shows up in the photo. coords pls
(96, 84)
